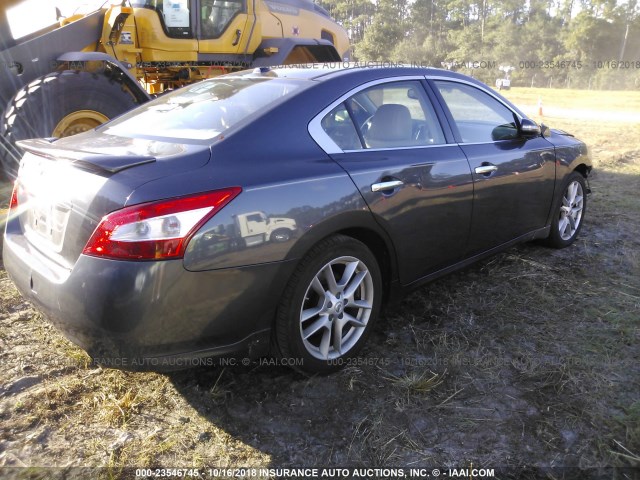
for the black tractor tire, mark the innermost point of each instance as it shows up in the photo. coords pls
(37, 108)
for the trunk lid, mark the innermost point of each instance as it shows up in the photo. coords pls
(66, 186)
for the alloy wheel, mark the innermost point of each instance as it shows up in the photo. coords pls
(571, 210)
(336, 308)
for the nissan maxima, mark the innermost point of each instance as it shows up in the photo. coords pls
(275, 211)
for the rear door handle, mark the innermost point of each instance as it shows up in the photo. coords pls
(390, 185)
(486, 169)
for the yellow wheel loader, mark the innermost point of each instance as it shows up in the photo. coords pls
(61, 75)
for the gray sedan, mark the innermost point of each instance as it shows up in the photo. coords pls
(276, 211)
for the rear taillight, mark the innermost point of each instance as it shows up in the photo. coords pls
(157, 230)
(13, 204)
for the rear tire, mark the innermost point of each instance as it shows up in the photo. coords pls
(569, 212)
(70, 101)
(329, 306)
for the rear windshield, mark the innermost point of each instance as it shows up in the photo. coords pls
(203, 110)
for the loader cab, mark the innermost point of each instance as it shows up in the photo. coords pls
(218, 26)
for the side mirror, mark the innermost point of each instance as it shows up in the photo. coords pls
(529, 128)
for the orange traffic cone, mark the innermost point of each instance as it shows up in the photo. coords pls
(540, 107)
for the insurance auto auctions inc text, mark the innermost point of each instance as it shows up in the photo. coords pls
(367, 472)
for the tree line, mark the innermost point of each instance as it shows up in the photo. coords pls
(542, 43)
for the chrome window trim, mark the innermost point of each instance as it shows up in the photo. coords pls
(325, 142)
(414, 147)
(330, 147)
(462, 144)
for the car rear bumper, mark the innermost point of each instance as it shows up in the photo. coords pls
(151, 315)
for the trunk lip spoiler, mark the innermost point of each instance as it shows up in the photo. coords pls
(93, 160)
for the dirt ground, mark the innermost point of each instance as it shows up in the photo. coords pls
(527, 363)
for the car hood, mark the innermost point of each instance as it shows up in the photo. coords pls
(557, 131)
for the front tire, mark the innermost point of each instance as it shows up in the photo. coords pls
(329, 306)
(569, 212)
(281, 235)
(56, 105)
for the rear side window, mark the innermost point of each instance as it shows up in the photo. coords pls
(339, 126)
(390, 115)
(479, 117)
(203, 110)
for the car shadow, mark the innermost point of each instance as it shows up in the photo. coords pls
(297, 420)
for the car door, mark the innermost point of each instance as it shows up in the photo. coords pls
(224, 27)
(513, 173)
(388, 136)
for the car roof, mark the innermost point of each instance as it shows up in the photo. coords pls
(368, 71)
(329, 70)
(355, 73)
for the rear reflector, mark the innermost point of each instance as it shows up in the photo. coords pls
(157, 230)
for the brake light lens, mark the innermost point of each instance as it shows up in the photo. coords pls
(157, 230)
(13, 204)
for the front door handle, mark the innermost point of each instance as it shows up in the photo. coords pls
(486, 169)
(390, 185)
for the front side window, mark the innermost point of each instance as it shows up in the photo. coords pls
(203, 110)
(391, 115)
(255, 217)
(479, 117)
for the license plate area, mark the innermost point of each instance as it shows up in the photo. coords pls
(47, 222)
